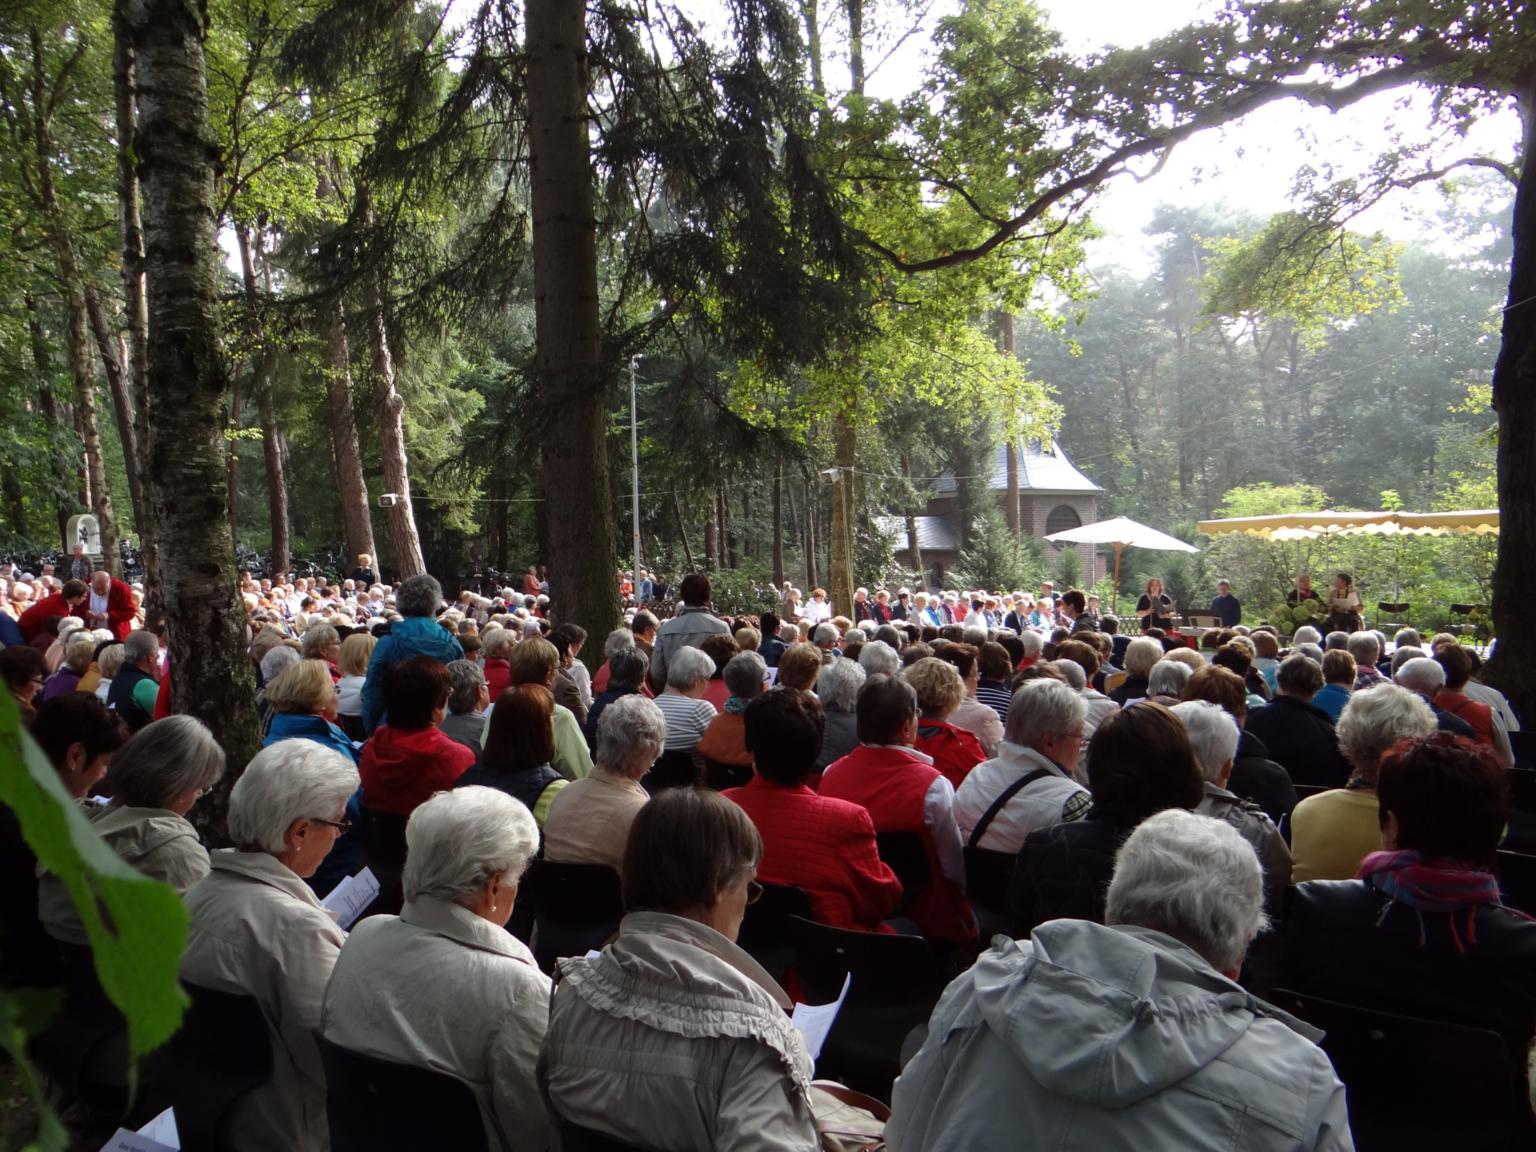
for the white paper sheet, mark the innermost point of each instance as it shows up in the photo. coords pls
(350, 899)
(163, 1129)
(815, 1020)
(159, 1135)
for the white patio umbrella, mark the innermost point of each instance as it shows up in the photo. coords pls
(1121, 533)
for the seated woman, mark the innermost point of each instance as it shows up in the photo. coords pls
(674, 1037)
(724, 741)
(1422, 930)
(1333, 831)
(24, 671)
(154, 780)
(682, 701)
(623, 675)
(356, 651)
(410, 757)
(799, 667)
(1139, 762)
(79, 735)
(824, 846)
(1343, 605)
(588, 822)
(954, 751)
(258, 930)
(837, 689)
(79, 651)
(444, 985)
(518, 749)
(722, 649)
(1141, 655)
(537, 661)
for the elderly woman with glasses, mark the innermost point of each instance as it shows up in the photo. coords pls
(154, 780)
(674, 1037)
(258, 930)
(444, 985)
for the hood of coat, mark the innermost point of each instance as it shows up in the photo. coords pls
(134, 833)
(1111, 1016)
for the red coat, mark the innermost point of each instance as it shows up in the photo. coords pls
(401, 769)
(498, 675)
(825, 846)
(42, 619)
(892, 784)
(120, 610)
(954, 750)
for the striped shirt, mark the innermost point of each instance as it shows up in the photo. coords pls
(996, 696)
(686, 719)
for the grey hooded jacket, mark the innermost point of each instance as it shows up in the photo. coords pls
(1101, 1039)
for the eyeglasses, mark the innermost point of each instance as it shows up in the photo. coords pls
(754, 891)
(1078, 736)
(340, 825)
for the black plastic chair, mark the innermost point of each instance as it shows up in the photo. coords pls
(575, 1138)
(896, 982)
(1392, 613)
(1517, 880)
(987, 874)
(765, 928)
(722, 776)
(222, 1052)
(674, 769)
(377, 1104)
(384, 850)
(1521, 744)
(1416, 1083)
(1521, 833)
(576, 908)
(904, 853)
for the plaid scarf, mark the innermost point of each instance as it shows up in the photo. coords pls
(1432, 885)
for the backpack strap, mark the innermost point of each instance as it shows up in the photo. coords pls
(1003, 797)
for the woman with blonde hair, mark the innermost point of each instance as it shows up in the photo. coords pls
(356, 651)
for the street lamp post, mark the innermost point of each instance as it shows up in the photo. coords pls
(634, 464)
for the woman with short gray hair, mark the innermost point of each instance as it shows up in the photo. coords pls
(1165, 683)
(687, 713)
(878, 658)
(725, 740)
(256, 928)
(468, 698)
(154, 780)
(588, 823)
(417, 634)
(1331, 832)
(481, 1015)
(837, 688)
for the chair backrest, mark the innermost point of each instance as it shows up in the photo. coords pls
(1517, 880)
(987, 875)
(1524, 749)
(373, 1103)
(384, 850)
(1392, 607)
(1305, 790)
(722, 776)
(905, 854)
(765, 929)
(1411, 1081)
(575, 1138)
(576, 908)
(1522, 786)
(222, 1052)
(887, 968)
(673, 769)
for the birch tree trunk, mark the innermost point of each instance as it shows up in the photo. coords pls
(211, 677)
(567, 342)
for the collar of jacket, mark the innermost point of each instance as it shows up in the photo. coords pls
(679, 976)
(911, 753)
(1024, 759)
(459, 924)
(264, 868)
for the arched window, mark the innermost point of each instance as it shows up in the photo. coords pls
(1061, 518)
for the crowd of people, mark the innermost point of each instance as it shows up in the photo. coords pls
(1174, 825)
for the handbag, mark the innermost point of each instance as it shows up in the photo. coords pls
(847, 1120)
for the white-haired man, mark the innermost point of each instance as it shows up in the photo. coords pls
(1131, 1033)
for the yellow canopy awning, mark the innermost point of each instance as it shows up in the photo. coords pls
(1310, 525)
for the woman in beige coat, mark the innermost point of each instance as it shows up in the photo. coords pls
(257, 930)
(444, 985)
(674, 1038)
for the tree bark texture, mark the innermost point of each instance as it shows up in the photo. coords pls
(211, 677)
(840, 560)
(682, 531)
(778, 520)
(391, 411)
(356, 518)
(113, 362)
(712, 537)
(568, 350)
(77, 341)
(1512, 668)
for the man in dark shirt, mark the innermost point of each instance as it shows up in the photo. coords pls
(1226, 606)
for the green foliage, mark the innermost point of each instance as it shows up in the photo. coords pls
(1068, 572)
(137, 926)
(745, 590)
(995, 560)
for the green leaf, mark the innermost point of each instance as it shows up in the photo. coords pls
(137, 926)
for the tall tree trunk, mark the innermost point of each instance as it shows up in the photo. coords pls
(712, 537)
(778, 519)
(42, 361)
(113, 361)
(14, 497)
(682, 531)
(911, 517)
(137, 313)
(77, 344)
(391, 408)
(211, 677)
(840, 561)
(566, 321)
(261, 388)
(232, 466)
(1513, 665)
(498, 525)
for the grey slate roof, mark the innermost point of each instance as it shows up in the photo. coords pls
(1044, 471)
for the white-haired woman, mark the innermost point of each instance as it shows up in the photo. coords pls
(588, 823)
(682, 703)
(724, 741)
(444, 985)
(154, 780)
(79, 650)
(258, 930)
(1141, 656)
(838, 690)
(1333, 831)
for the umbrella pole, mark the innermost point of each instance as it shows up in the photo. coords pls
(1115, 591)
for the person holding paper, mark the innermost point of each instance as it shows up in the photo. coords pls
(444, 985)
(256, 929)
(674, 1037)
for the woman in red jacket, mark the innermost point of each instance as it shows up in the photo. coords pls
(410, 758)
(939, 692)
(825, 847)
